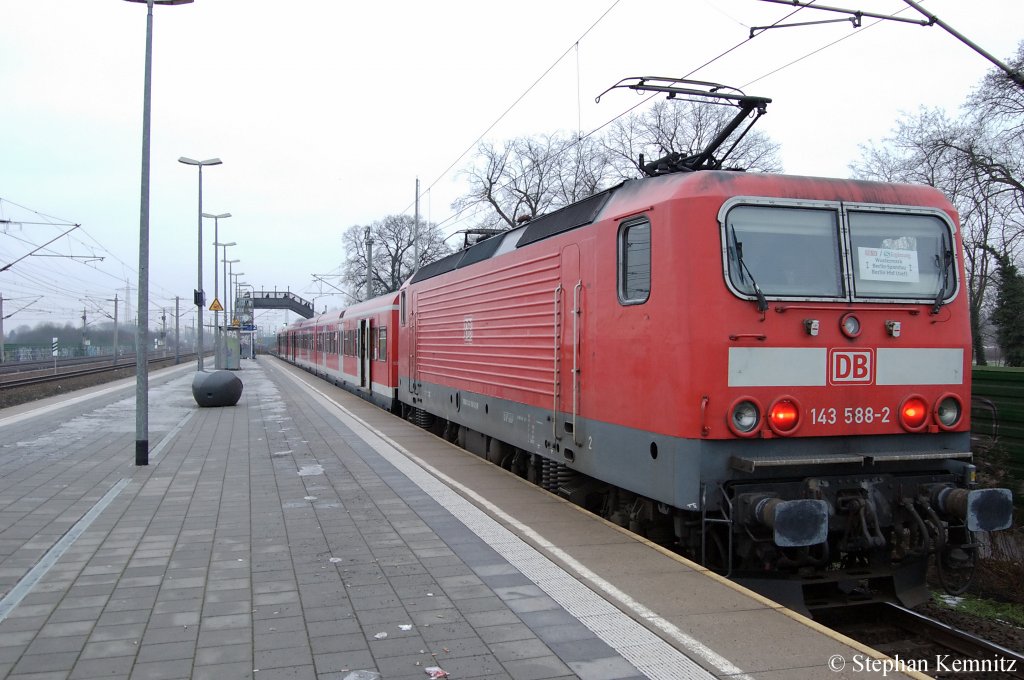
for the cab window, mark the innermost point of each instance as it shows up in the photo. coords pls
(635, 262)
(900, 256)
(785, 252)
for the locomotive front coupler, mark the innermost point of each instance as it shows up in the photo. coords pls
(795, 523)
(978, 509)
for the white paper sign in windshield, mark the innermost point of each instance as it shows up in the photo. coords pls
(888, 264)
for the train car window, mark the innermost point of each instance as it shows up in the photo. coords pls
(784, 252)
(382, 343)
(901, 256)
(635, 262)
(401, 307)
(374, 337)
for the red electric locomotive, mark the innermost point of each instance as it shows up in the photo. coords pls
(770, 372)
(773, 372)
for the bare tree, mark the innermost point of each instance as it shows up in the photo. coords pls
(529, 176)
(393, 253)
(977, 159)
(996, 142)
(931, 148)
(683, 127)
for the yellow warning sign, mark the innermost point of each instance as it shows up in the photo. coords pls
(216, 306)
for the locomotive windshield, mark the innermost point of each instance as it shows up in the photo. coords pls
(899, 255)
(798, 252)
(786, 252)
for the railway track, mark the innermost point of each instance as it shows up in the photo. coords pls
(917, 642)
(20, 390)
(42, 365)
(92, 370)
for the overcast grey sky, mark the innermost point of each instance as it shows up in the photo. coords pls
(324, 113)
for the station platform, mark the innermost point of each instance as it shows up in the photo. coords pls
(304, 533)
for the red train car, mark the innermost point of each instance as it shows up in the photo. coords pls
(312, 344)
(369, 348)
(771, 372)
(355, 348)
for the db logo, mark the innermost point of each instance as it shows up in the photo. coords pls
(851, 366)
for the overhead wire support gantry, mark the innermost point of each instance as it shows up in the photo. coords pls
(856, 16)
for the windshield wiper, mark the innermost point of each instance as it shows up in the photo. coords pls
(762, 303)
(947, 259)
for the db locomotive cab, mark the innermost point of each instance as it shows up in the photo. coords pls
(847, 379)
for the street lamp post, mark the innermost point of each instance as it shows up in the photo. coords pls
(142, 339)
(233, 294)
(200, 299)
(227, 269)
(227, 305)
(216, 321)
(239, 285)
(221, 346)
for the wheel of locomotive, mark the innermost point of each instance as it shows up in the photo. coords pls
(496, 451)
(438, 427)
(451, 432)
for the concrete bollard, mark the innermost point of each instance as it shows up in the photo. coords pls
(219, 388)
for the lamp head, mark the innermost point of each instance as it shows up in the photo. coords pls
(191, 161)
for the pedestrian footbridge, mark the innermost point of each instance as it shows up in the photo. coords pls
(275, 299)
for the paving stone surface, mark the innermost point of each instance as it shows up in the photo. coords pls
(264, 540)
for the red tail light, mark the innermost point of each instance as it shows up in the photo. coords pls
(784, 416)
(913, 413)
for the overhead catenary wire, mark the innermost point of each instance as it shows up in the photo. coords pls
(859, 30)
(54, 280)
(518, 99)
(455, 217)
(460, 216)
(581, 137)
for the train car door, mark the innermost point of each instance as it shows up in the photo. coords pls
(414, 370)
(569, 317)
(363, 352)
